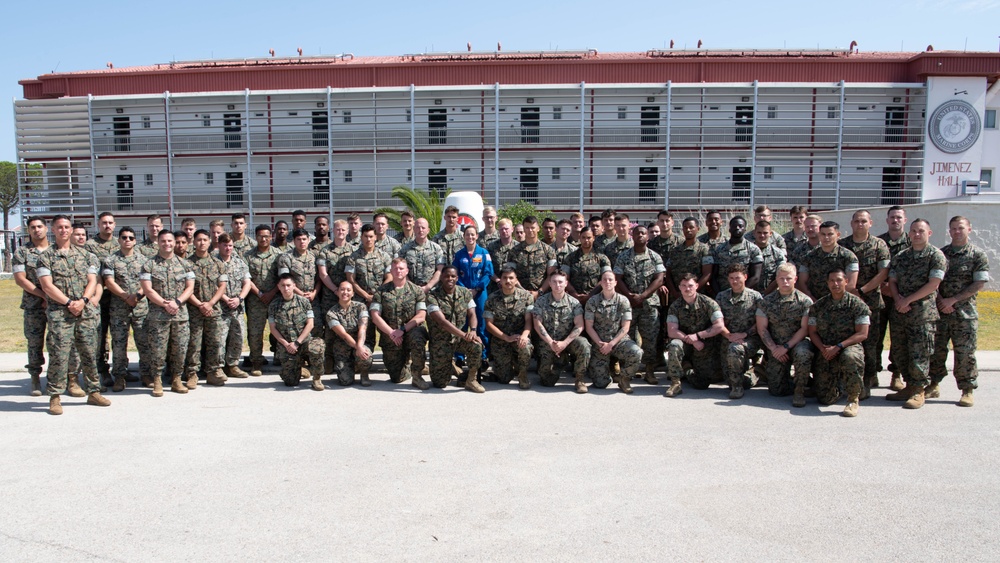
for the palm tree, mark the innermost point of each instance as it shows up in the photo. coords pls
(422, 203)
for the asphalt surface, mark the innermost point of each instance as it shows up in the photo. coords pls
(255, 471)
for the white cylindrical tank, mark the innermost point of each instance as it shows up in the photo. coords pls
(470, 208)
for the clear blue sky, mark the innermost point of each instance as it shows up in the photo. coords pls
(66, 36)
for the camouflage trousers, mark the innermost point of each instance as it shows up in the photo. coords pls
(102, 339)
(168, 343)
(912, 337)
(64, 333)
(509, 359)
(232, 329)
(628, 354)
(312, 350)
(345, 364)
(256, 323)
(121, 322)
(319, 316)
(962, 335)
(737, 361)
(780, 379)
(34, 332)
(401, 361)
(704, 363)
(204, 338)
(871, 347)
(578, 350)
(845, 371)
(883, 329)
(442, 350)
(645, 329)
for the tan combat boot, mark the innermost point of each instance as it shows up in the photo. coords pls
(851, 410)
(147, 381)
(235, 371)
(119, 385)
(581, 385)
(471, 384)
(966, 400)
(36, 385)
(932, 391)
(177, 386)
(896, 383)
(365, 381)
(55, 405)
(256, 370)
(625, 384)
(650, 376)
(522, 379)
(98, 400)
(192, 381)
(675, 387)
(903, 394)
(916, 400)
(215, 378)
(317, 385)
(419, 382)
(157, 384)
(73, 387)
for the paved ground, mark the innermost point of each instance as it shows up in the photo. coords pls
(253, 471)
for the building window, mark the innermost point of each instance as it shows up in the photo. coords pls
(145, 122)
(409, 174)
(209, 178)
(991, 119)
(557, 112)
(347, 116)
(830, 172)
(622, 112)
(348, 176)
(149, 179)
(556, 173)
(621, 172)
(206, 120)
(832, 112)
(986, 179)
(409, 116)
(768, 172)
(772, 112)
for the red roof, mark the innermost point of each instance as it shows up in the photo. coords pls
(544, 67)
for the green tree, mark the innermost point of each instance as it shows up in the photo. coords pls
(516, 212)
(9, 199)
(422, 203)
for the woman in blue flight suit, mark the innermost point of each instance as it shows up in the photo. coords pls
(475, 270)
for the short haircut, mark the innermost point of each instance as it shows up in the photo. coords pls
(286, 276)
(738, 218)
(664, 213)
(814, 217)
(450, 209)
(276, 223)
(835, 271)
(558, 273)
(736, 267)
(61, 217)
(105, 214)
(761, 224)
(236, 216)
(564, 222)
(622, 217)
(340, 222)
(530, 220)
(761, 209)
(860, 211)
(224, 238)
(202, 232)
(548, 220)
(126, 229)
(79, 225)
(689, 276)
(298, 213)
(34, 218)
(353, 216)
(608, 214)
(894, 208)
(711, 212)
(406, 213)
(367, 228)
(652, 224)
(448, 267)
(830, 225)
(959, 218)
(260, 228)
(320, 218)
(507, 269)
(786, 268)
(152, 217)
(594, 218)
(575, 216)
(176, 234)
(489, 208)
(398, 259)
(796, 209)
(692, 220)
(920, 220)
(378, 216)
(217, 223)
(188, 221)
(300, 233)
(504, 221)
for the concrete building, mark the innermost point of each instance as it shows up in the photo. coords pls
(568, 131)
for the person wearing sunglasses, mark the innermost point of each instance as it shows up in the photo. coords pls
(129, 307)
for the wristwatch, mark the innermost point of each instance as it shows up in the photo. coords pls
(86, 301)
(68, 301)
(840, 345)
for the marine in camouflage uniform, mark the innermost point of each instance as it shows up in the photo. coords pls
(531, 262)
(819, 263)
(608, 316)
(967, 265)
(500, 255)
(345, 362)
(726, 254)
(776, 240)
(450, 243)
(389, 245)
(873, 256)
(334, 259)
(584, 270)
(834, 321)
(506, 313)
(289, 317)
(895, 246)
(614, 247)
(662, 245)
(369, 270)
(913, 333)
(784, 314)
(639, 272)
(798, 253)
(168, 335)
(792, 240)
(302, 266)
(690, 319)
(443, 345)
(712, 243)
(558, 318)
(25, 260)
(684, 259)
(563, 252)
(232, 323)
(264, 275)
(772, 257)
(423, 260)
(243, 245)
(397, 306)
(125, 271)
(148, 248)
(485, 238)
(739, 312)
(102, 249)
(71, 271)
(205, 331)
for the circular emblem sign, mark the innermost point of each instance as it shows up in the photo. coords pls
(954, 126)
(465, 219)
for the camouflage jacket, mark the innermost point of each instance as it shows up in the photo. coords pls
(261, 267)
(739, 311)
(608, 315)
(557, 316)
(422, 260)
(616, 247)
(25, 260)
(369, 268)
(397, 305)
(69, 269)
(638, 272)
(663, 246)
(531, 261)
(125, 270)
(168, 277)
(712, 243)
(873, 255)
(454, 307)
(912, 269)
(773, 257)
(692, 317)
(449, 243)
(584, 270)
(784, 314)
(349, 318)
(236, 272)
(506, 312)
(688, 260)
(301, 266)
(484, 239)
(835, 320)
(289, 317)
(777, 240)
(966, 264)
(209, 272)
(102, 248)
(727, 254)
(819, 263)
(389, 245)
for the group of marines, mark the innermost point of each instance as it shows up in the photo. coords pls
(805, 312)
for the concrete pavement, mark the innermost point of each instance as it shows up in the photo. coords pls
(254, 471)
